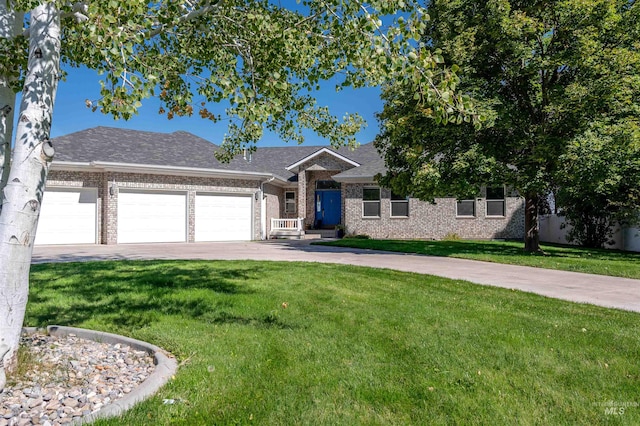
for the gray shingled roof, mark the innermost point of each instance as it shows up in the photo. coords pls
(183, 149)
(367, 170)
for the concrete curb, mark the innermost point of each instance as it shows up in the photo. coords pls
(166, 367)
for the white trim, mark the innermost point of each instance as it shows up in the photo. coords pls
(475, 209)
(294, 202)
(319, 152)
(287, 224)
(503, 200)
(182, 171)
(263, 209)
(496, 216)
(391, 201)
(282, 182)
(372, 201)
(73, 166)
(263, 216)
(100, 166)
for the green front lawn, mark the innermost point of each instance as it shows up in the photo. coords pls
(591, 261)
(304, 343)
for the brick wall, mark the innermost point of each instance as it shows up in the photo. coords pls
(302, 199)
(425, 220)
(275, 204)
(322, 167)
(431, 221)
(107, 208)
(312, 178)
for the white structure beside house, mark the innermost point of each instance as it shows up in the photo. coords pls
(553, 231)
(114, 186)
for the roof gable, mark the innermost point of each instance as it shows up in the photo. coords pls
(296, 166)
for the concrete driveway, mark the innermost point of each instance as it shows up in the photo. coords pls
(621, 293)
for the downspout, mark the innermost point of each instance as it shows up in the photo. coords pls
(263, 209)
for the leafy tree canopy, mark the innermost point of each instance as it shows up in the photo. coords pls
(599, 182)
(541, 72)
(264, 59)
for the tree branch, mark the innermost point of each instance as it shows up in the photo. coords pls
(12, 24)
(193, 14)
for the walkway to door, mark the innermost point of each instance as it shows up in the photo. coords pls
(622, 293)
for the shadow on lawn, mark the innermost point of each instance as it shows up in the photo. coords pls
(132, 294)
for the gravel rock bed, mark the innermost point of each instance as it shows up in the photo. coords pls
(70, 378)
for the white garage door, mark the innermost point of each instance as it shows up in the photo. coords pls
(68, 216)
(223, 217)
(152, 217)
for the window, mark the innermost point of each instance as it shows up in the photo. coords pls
(466, 208)
(371, 202)
(289, 202)
(495, 201)
(399, 206)
(327, 184)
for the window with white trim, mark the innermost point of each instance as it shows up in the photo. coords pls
(371, 202)
(496, 201)
(289, 202)
(466, 208)
(399, 205)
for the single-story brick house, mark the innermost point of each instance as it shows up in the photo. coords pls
(110, 186)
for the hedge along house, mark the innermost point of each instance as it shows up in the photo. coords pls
(112, 186)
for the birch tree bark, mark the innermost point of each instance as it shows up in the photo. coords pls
(10, 25)
(22, 195)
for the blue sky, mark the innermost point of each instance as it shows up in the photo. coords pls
(71, 114)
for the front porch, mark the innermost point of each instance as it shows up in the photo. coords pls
(287, 228)
(294, 229)
(316, 198)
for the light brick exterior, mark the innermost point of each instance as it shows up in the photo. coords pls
(322, 167)
(108, 204)
(430, 221)
(425, 220)
(275, 205)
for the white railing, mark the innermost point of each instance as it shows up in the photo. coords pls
(296, 224)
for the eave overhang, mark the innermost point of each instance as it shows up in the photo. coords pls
(102, 166)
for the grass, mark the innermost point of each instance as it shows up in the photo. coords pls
(26, 362)
(591, 261)
(303, 343)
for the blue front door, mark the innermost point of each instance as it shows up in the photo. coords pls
(328, 209)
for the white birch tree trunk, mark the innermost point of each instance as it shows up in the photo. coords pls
(10, 25)
(22, 195)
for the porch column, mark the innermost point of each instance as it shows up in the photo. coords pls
(302, 196)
